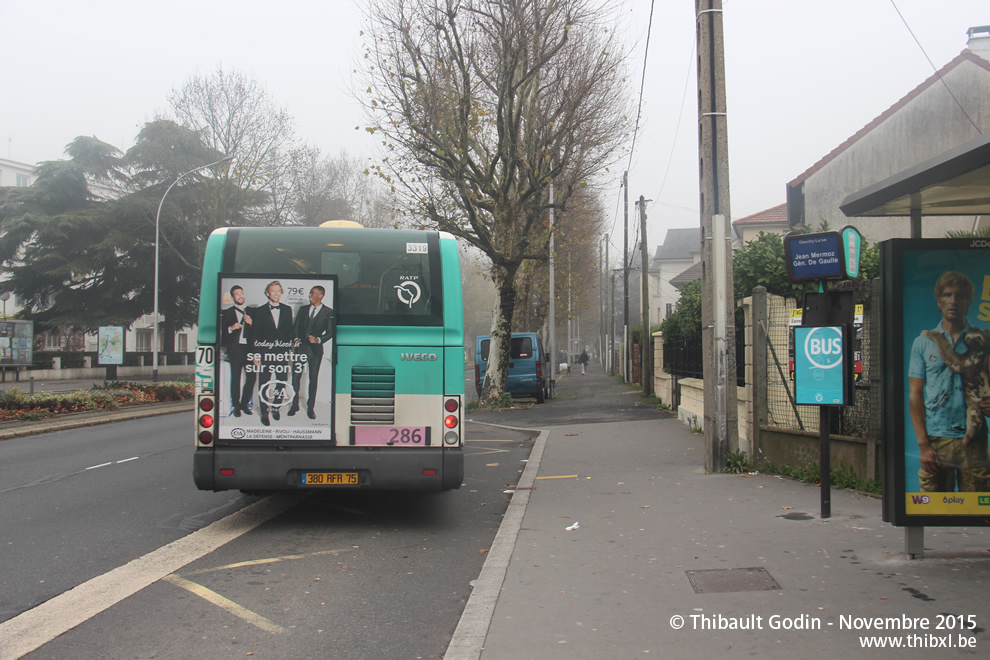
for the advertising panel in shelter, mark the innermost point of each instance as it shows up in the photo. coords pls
(937, 387)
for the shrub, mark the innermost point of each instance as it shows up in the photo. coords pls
(15, 405)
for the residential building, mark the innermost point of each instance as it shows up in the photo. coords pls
(681, 251)
(948, 109)
(772, 221)
(16, 175)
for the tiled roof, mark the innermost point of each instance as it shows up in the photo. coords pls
(776, 215)
(689, 275)
(965, 56)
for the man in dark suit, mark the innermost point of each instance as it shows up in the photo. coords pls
(314, 327)
(271, 335)
(235, 323)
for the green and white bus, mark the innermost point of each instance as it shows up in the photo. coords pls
(329, 357)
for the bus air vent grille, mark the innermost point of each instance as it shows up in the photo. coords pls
(372, 395)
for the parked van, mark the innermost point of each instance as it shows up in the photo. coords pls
(529, 365)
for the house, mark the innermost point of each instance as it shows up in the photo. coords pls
(16, 175)
(946, 110)
(772, 221)
(681, 250)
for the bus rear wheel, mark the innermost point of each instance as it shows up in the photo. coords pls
(541, 395)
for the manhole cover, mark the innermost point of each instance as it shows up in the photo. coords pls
(728, 580)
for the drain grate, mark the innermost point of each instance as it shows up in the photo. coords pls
(729, 580)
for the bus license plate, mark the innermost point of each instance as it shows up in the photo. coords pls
(329, 478)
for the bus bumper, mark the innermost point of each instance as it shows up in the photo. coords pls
(271, 469)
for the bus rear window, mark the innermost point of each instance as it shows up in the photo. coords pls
(384, 277)
(521, 347)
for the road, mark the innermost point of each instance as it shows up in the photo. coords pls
(363, 575)
(335, 574)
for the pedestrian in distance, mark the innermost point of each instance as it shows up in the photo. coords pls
(584, 362)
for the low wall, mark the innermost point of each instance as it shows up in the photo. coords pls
(123, 373)
(691, 409)
(799, 448)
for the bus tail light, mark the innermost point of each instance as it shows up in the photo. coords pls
(451, 420)
(206, 420)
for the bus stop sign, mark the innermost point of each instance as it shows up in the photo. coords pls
(819, 365)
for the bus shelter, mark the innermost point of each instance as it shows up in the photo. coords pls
(955, 183)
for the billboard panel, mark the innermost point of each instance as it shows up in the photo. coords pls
(936, 311)
(16, 343)
(110, 343)
(277, 345)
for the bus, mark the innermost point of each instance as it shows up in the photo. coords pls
(329, 357)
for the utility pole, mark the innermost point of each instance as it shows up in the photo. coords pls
(645, 373)
(553, 313)
(718, 326)
(611, 323)
(626, 376)
(570, 315)
(601, 301)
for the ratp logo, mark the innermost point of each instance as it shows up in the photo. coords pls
(408, 293)
(823, 347)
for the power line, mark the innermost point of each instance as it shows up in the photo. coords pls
(932, 64)
(642, 85)
(639, 109)
(680, 114)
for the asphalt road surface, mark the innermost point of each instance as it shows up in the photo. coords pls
(335, 574)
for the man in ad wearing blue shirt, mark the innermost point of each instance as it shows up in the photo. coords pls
(936, 399)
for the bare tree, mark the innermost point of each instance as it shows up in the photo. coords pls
(577, 233)
(234, 115)
(335, 188)
(481, 105)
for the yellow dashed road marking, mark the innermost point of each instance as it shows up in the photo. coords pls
(560, 476)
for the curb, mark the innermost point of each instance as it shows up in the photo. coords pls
(80, 420)
(469, 637)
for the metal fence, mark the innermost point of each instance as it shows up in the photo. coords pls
(685, 358)
(862, 419)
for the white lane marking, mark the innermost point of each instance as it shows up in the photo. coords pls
(36, 627)
(225, 604)
(128, 460)
(93, 467)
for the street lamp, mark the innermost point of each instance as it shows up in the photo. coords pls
(154, 340)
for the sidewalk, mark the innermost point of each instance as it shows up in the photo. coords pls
(650, 521)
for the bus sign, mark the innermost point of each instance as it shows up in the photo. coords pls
(814, 256)
(819, 369)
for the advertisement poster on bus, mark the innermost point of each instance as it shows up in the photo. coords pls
(277, 343)
(937, 394)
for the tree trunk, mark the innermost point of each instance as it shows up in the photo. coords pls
(501, 332)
